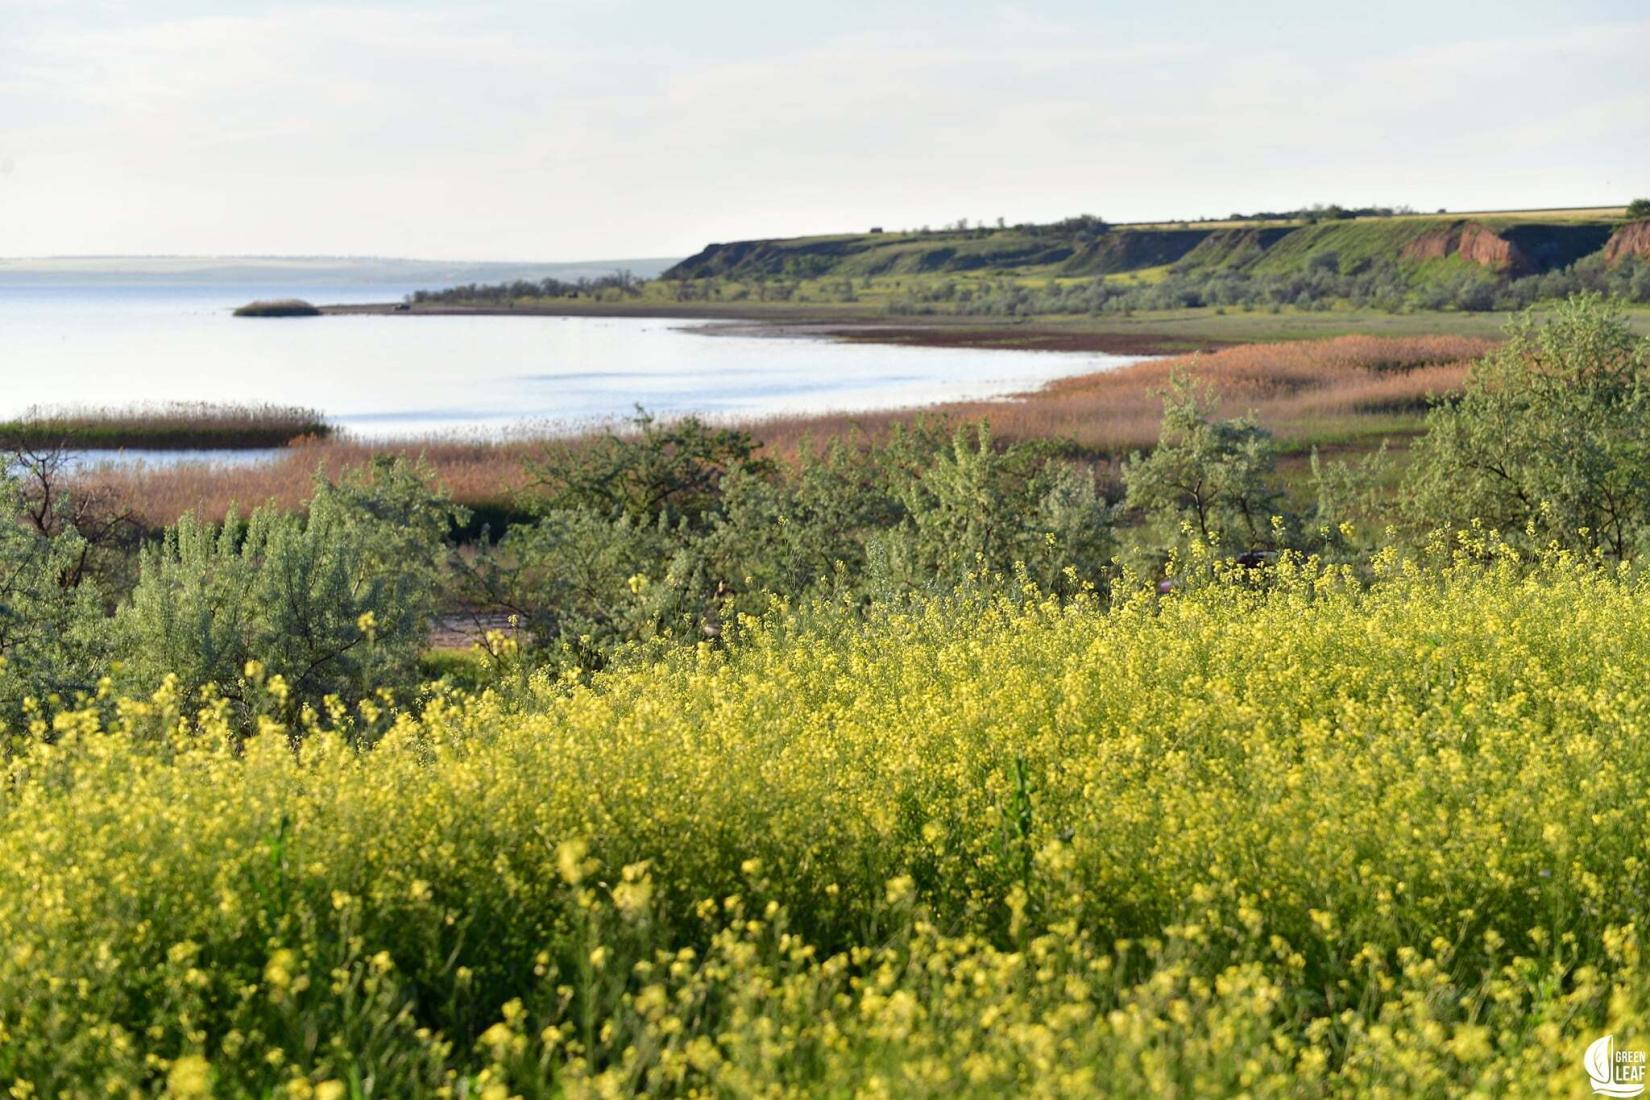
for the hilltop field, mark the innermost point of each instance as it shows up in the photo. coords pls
(1082, 284)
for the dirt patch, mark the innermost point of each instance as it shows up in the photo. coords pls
(1632, 239)
(781, 323)
(463, 629)
(1475, 243)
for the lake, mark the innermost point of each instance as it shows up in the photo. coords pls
(389, 376)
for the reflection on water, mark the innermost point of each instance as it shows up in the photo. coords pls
(380, 376)
(214, 458)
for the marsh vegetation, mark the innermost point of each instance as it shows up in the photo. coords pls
(178, 425)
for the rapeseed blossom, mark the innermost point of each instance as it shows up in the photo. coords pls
(1312, 836)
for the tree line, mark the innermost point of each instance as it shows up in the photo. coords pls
(621, 283)
(1320, 284)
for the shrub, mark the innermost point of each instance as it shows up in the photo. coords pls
(52, 645)
(1550, 438)
(1215, 479)
(671, 472)
(574, 581)
(673, 532)
(335, 603)
(974, 510)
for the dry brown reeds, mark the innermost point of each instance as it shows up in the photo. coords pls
(1291, 387)
(1297, 389)
(474, 472)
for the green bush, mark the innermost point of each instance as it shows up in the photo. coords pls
(52, 643)
(670, 471)
(1215, 480)
(674, 531)
(335, 603)
(1550, 440)
(972, 509)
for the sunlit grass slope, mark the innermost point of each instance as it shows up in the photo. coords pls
(1291, 840)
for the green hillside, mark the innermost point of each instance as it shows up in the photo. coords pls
(1514, 244)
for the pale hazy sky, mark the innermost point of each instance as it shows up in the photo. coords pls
(613, 128)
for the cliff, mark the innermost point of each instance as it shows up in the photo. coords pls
(1420, 246)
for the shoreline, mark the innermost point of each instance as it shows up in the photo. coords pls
(1004, 337)
(959, 332)
(1163, 332)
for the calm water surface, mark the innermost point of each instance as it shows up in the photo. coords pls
(382, 376)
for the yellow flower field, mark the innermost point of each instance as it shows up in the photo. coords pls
(1315, 836)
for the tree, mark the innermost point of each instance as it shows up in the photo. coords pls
(1550, 437)
(1638, 208)
(106, 534)
(51, 613)
(1215, 477)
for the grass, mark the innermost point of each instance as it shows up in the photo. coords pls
(1069, 249)
(1211, 326)
(171, 426)
(1309, 839)
(1564, 214)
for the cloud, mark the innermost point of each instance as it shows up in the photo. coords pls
(569, 130)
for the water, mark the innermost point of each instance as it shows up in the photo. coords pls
(216, 458)
(396, 376)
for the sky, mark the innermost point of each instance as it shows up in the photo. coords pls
(550, 130)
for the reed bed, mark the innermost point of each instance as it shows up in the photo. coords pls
(1344, 388)
(1290, 387)
(166, 426)
(478, 474)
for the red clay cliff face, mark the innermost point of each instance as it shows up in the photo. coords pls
(1472, 242)
(1632, 239)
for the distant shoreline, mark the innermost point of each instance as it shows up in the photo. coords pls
(792, 323)
(1142, 332)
